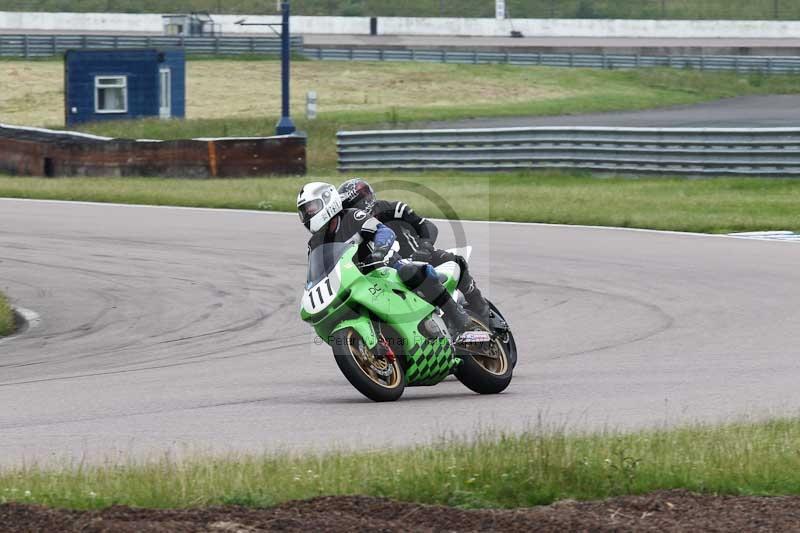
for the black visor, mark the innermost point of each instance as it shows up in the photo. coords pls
(309, 209)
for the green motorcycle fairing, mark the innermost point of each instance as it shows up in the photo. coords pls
(339, 296)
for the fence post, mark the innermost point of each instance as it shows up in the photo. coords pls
(638, 60)
(252, 44)
(115, 40)
(571, 59)
(444, 56)
(702, 62)
(475, 58)
(413, 54)
(508, 57)
(769, 65)
(25, 46)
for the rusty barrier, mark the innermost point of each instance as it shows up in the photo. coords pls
(40, 152)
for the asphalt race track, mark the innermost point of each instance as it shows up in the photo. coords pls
(177, 330)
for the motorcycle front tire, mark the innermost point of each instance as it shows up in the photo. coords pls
(352, 356)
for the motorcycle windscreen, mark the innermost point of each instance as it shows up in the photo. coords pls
(323, 259)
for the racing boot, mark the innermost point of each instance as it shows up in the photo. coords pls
(479, 305)
(454, 316)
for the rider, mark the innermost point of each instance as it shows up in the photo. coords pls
(320, 209)
(419, 242)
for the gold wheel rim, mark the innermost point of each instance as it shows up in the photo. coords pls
(370, 365)
(497, 365)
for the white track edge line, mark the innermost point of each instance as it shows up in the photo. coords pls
(494, 222)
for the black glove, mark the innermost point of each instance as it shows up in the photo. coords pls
(424, 251)
(377, 256)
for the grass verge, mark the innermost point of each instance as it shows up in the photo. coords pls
(493, 471)
(6, 317)
(718, 205)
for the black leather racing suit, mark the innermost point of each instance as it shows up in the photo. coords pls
(357, 226)
(410, 230)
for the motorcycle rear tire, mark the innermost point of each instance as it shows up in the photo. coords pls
(477, 378)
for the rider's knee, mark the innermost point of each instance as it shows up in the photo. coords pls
(412, 274)
(462, 263)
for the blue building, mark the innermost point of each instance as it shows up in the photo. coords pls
(124, 84)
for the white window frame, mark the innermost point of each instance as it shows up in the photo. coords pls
(162, 93)
(120, 83)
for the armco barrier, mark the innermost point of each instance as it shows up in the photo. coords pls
(40, 152)
(764, 64)
(50, 45)
(730, 151)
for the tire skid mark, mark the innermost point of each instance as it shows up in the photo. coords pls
(152, 367)
(666, 320)
(277, 399)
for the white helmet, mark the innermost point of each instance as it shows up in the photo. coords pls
(317, 203)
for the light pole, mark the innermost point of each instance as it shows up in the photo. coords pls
(285, 125)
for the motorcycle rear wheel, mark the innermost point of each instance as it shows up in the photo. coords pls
(486, 374)
(375, 377)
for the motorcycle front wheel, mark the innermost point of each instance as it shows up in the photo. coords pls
(375, 377)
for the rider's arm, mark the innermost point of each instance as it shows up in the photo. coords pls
(425, 228)
(381, 235)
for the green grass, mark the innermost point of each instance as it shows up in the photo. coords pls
(536, 468)
(717, 205)
(627, 9)
(6, 317)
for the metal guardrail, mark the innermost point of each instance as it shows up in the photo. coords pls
(765, 64)
(29, 46)
(729, 151)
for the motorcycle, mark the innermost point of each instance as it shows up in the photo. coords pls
(386, 337)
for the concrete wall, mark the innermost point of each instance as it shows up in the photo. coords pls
(67, 22)
(591, 28)
(112, 22)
